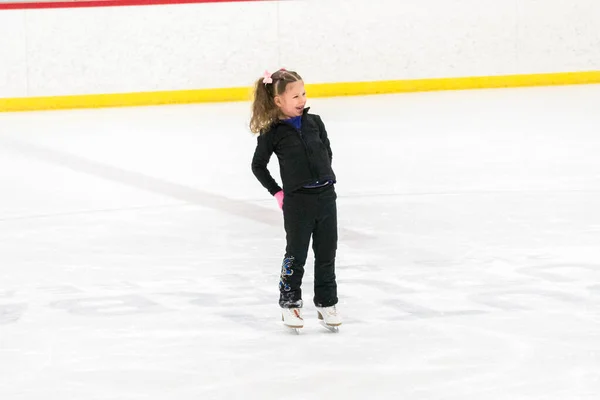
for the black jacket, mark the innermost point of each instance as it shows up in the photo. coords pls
(304, 155)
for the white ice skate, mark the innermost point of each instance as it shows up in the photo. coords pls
(292, 318)
(329, 318)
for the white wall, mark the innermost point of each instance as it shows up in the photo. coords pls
(13, 58)
(191, 46)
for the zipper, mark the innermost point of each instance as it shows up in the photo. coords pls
(309, 153)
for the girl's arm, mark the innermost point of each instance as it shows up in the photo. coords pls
(262, 155)
(324, 138)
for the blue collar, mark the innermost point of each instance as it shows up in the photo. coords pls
(296, 122)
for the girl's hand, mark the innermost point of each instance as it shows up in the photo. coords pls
(279, 198)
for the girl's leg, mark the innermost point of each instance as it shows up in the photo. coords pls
(299, 215)
(325, 238)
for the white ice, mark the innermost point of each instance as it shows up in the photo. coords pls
(139, 256)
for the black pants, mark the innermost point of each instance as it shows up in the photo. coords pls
(306, 213)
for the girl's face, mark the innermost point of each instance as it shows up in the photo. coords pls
(292, 101)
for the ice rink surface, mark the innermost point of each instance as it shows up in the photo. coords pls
(140, 258)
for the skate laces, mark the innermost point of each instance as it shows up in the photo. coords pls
(294, 313)
(331, 310)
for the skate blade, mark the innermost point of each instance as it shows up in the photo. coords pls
(294, 329)
(331, 328)
(294, 326)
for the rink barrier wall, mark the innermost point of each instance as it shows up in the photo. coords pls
(313, 90)
(213, 50)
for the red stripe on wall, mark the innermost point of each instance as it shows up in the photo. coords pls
(107, 3)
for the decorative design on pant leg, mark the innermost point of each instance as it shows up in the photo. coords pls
(284, 286)
(286, 271)
(286, 267)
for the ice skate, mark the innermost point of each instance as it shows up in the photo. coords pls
(329, 318)
(292, 318)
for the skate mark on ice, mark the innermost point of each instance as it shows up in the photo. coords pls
(241, 290)
(252, 299)
(498, 299)
(238, 208)
(5, 294)
(416, 311)
(10, 313)
(109, 306)
(389, 287)
(249, 320)
(245, 298)
(594, 289)
(197, 298)
(547, 271)
(360, 267)
(87, 212)
(483, 192)
(117, 286)
(59, 289)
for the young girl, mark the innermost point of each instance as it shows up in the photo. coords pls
(308, 198)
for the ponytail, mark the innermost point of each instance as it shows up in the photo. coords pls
(264, 110)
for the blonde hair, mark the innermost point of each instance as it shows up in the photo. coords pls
(264, 110)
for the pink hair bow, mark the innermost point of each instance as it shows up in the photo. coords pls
(267, 78)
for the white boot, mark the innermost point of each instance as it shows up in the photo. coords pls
(329, 315)
(292, 317)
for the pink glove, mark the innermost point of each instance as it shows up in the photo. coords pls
(279, 198)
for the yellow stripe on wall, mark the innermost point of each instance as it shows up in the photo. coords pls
(436, 84)
(124, 99)
(314, 90)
